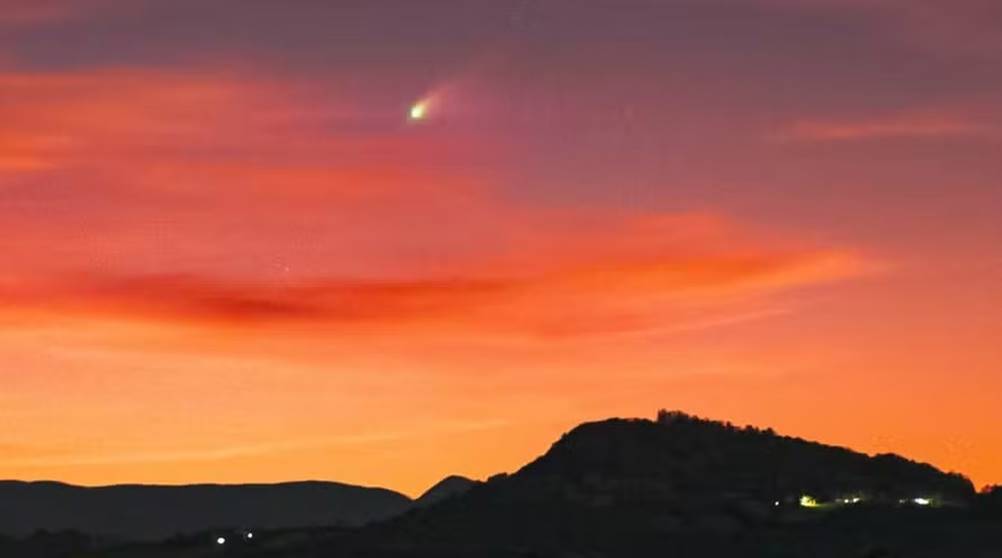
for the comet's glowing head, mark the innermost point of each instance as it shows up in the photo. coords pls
(419, 111)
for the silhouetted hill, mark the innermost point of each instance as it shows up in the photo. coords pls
(691, 457)
(448, 487)
(701, 488)
(157, 512)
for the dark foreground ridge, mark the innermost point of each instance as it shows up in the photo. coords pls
(679, 486)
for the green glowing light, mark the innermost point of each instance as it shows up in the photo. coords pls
(419, 111)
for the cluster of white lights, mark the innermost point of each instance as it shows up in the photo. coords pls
(807, 501)
(917, 501)
(221, 540)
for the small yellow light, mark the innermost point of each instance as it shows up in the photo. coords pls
(808, 502)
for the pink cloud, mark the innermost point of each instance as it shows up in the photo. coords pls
(908, 126)
(552, 296)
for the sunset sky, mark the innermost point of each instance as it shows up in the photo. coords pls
(229, 255)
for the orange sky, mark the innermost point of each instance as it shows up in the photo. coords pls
(229, 256)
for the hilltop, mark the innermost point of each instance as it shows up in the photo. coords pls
(449, 487)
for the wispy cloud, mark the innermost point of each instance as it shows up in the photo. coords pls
(901, 127)
(563, 298)
(57, 459)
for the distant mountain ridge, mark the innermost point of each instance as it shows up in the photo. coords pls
(451, 486)
(151, 512)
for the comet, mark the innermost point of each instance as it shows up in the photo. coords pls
(419, 111)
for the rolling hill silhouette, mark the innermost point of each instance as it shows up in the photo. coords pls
(134, 512)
